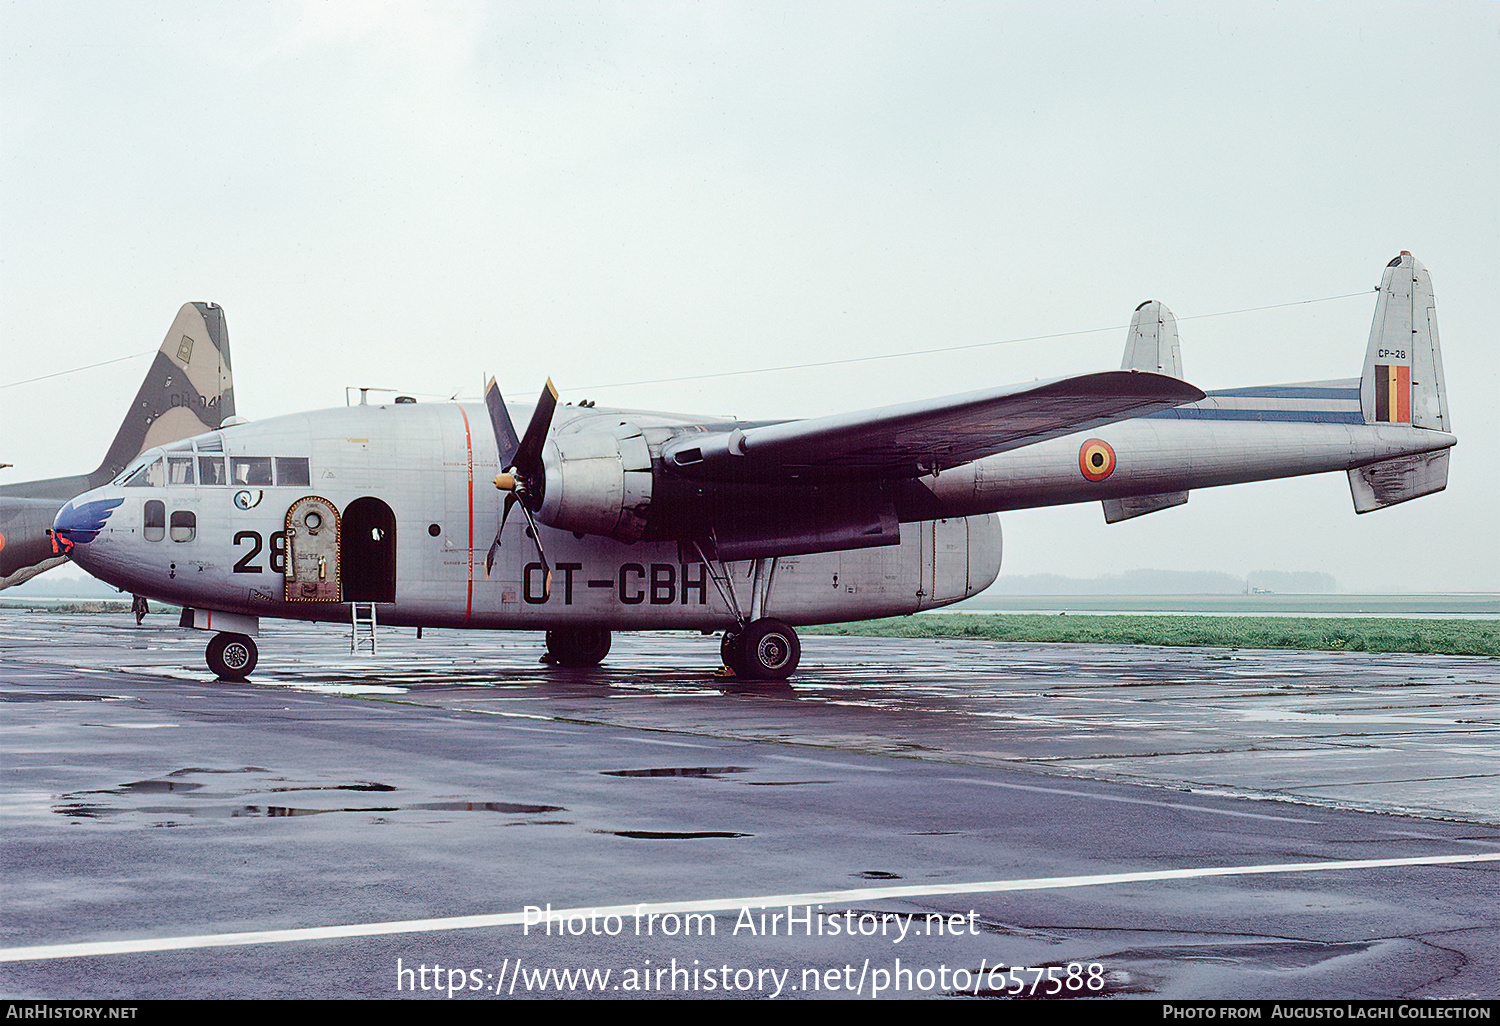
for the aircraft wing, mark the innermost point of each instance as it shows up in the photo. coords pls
(909, 439)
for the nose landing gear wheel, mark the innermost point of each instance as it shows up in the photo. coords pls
(577, 647)
(766, 649)
(231, 656)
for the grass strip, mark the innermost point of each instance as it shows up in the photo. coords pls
(1325, 634)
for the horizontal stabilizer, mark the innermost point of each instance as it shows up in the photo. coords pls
(1116, 510)
(1388, 482)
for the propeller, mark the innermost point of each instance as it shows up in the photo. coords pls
(522, 476)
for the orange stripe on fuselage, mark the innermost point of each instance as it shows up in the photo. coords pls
(469, 449)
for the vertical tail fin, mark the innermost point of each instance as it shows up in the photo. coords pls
(188, 390)
(1152, 345)
(1402, 384)
(1402, 381)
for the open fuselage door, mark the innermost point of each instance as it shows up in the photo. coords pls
(367, 543)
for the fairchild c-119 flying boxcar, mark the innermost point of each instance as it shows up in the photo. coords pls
(634, 520)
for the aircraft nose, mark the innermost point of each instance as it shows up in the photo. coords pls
(79, 523)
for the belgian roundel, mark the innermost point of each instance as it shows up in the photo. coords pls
(1096, 459)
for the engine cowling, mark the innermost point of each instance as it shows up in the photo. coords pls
(598, 482)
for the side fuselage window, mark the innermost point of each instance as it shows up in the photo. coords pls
(184, 525)
(250, 470)
(154, 520)
(292, 470)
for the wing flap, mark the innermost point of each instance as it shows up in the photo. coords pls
(909, 439)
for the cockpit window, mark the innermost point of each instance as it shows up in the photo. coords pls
(179, 470)
(131, 468)
(211, 470)
(250, 470)
(152, 475)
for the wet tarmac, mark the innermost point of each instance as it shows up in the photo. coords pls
(1142, 821)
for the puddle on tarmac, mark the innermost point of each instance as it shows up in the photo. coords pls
(509, 808)
(672, 835)
(363, 786)
(712, 772)
(82, 804)
(53, 696)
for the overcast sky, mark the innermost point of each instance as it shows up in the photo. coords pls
(415, 195)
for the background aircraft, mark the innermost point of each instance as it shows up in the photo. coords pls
(189, 389)
(631, 519)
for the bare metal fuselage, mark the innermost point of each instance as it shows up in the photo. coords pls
(432, 466)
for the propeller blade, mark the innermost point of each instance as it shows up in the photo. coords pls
(541, 553)
(528, 459)
(489, 560)
(505, 432)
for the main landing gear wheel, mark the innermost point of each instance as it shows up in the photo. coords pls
(766, 649)
(577, 647)
(231, 656)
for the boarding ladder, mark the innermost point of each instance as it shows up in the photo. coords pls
(361, 614)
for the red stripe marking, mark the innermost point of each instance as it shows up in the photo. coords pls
(469, 447)
(1403, 394)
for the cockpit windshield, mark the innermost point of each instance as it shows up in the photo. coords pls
(147, 472)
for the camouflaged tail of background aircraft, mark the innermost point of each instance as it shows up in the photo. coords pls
(189, 389)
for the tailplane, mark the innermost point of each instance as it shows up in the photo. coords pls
(1402, 384)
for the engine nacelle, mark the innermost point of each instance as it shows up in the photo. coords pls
(598, 482)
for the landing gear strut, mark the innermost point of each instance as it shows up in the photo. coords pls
(766, 649)
(577, 647)
(231, 656)
(760, 647)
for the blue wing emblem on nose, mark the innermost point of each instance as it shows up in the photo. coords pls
(79, 525)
